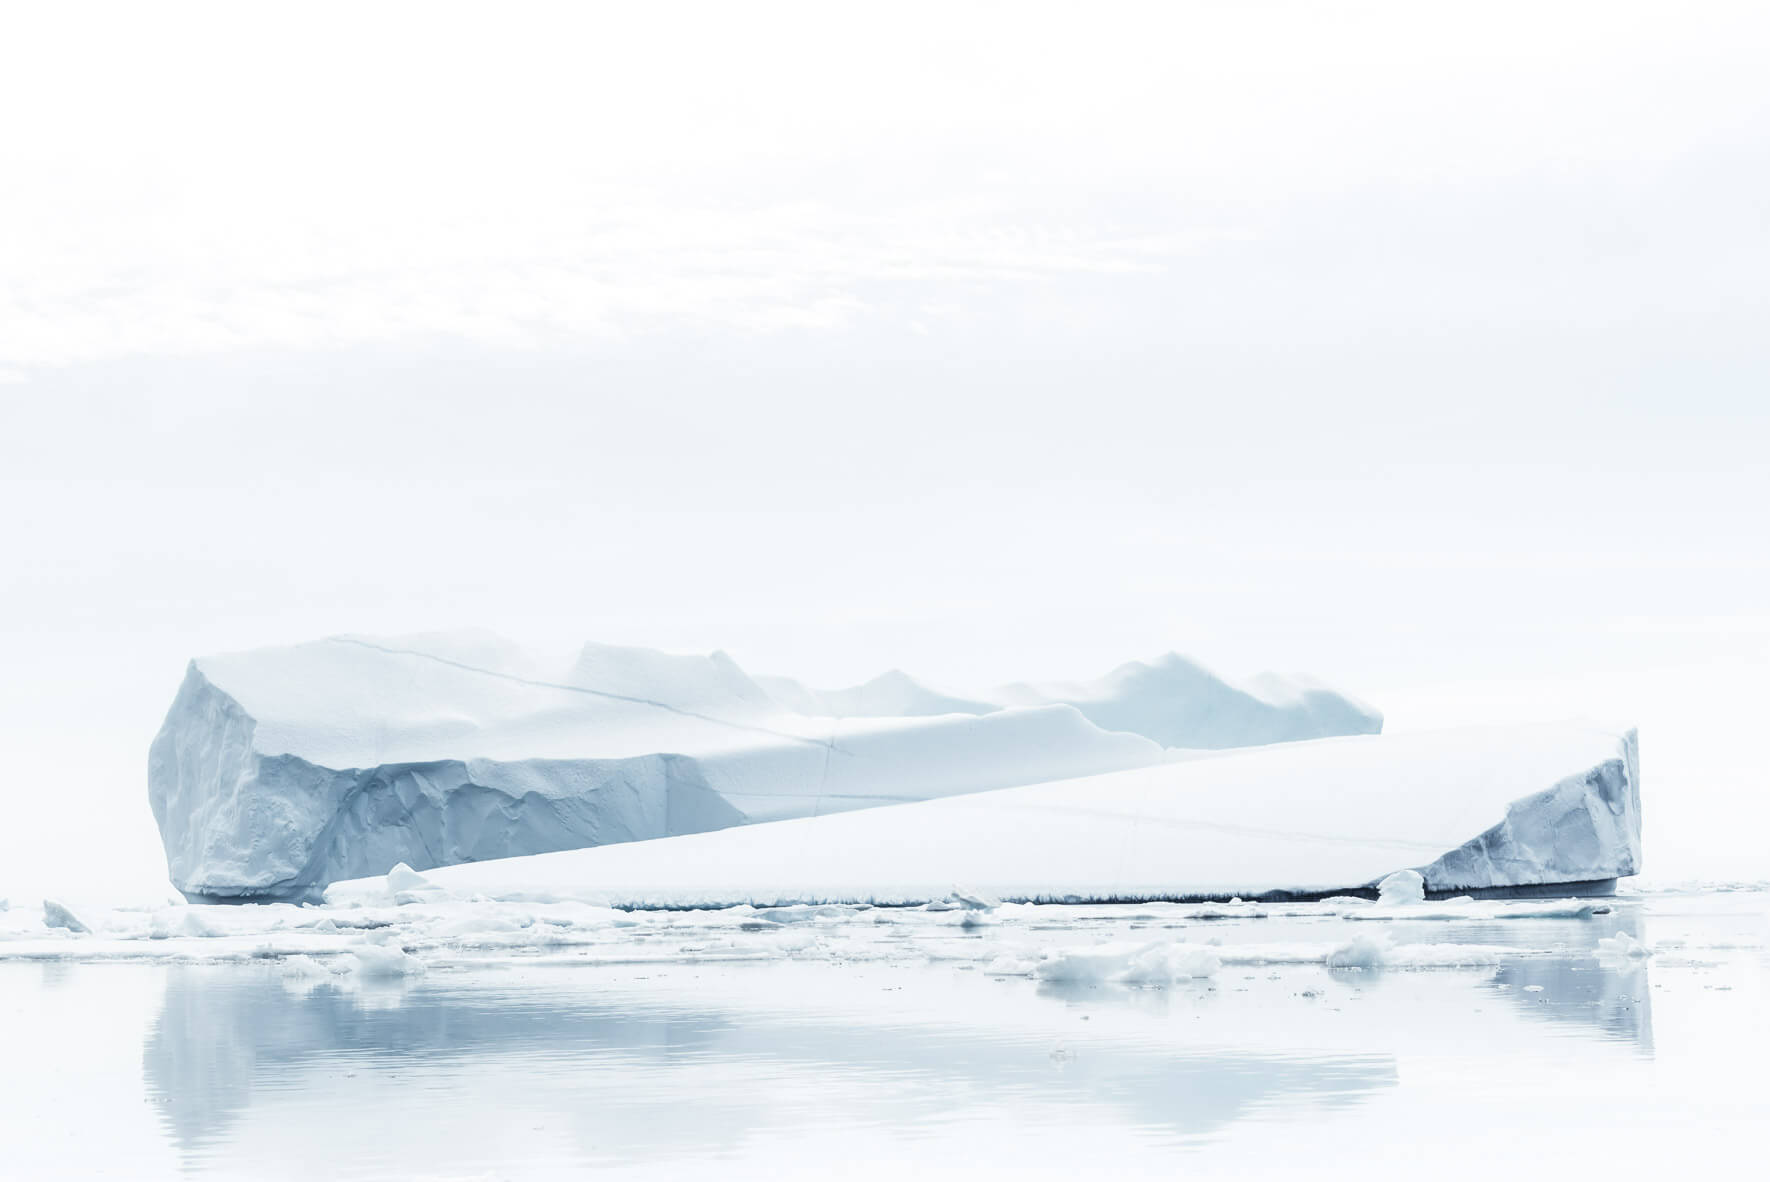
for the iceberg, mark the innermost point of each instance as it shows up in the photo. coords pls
(280, 770)
(1522, 809)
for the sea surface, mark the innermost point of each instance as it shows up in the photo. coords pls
(1553, 1059)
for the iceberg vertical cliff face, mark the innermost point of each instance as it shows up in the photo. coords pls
(1585, 828)
(239, 821)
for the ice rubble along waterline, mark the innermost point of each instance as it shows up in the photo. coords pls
(280, 770)
(1548, 806)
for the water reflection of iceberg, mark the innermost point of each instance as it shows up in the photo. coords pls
(1581, 987)
(632, 1076)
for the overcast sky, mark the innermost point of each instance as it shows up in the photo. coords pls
(1421, 347)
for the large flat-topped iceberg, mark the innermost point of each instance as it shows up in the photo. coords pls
(1550, 806)
(280, 770)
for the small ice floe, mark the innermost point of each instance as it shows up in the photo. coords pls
(1360, 952)
(975, 910)
(1167, 963)
(56, 915)
(382, 962)
(972, 901)
(1401, 888)
(302, 967)
(1623, 946)
(1086, 966)
(1130, 964)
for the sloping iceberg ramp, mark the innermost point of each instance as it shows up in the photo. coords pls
(1515, 809)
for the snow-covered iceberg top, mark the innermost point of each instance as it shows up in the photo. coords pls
(1470, 810)
(1173, 700)
(280, 770)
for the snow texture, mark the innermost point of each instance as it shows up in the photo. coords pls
(1500, 807)
(1172, 700)
(1179, 703)
(281, 770)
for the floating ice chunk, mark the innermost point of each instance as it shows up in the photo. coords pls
(379, 962)
(1172, 962)
(302, 967)
(57, 915)
(1086, 966)
(1402, 887)
(1132, 964)
(1360, 952)
(1623, 946)
(972, 901)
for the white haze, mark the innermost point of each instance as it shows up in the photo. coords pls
(1420, 349)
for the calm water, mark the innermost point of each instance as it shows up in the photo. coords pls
(1555, 1061)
